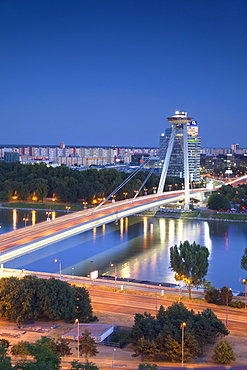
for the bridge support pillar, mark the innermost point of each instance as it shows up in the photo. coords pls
(178, 120)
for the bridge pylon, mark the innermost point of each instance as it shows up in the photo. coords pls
(178, 120)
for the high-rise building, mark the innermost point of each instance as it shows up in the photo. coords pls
(176, 164)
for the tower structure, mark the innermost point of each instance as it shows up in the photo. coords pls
(179, 130)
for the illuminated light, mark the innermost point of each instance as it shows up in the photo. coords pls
(53, 215)
(33, 213)
(121, 228)
(34, 198)
(94, 233)
(103, 229)
(15, 218)
(145, 231)
(126, 225)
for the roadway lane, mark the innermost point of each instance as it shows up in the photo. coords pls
(130, 304)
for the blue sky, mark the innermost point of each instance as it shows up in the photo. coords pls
(109, 72)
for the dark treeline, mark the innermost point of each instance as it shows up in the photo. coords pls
(71, 186)
(67, 185)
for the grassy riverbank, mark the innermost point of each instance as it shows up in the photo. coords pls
(51, 206)
(204, 215)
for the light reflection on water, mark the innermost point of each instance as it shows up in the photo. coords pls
(138, 247)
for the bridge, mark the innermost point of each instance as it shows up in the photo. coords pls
(17, 243)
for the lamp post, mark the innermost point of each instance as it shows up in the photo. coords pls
(115, 274)
(112, 359)
(25, 219)
(125, 194)
(67, 208)
(78, 339)
(182, 326)
(245, 291)
(48, 216)
(60, 266)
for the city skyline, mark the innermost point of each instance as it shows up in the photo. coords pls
(109, 73)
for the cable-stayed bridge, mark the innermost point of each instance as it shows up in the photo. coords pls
(26, 240)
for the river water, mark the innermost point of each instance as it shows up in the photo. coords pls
(138, 247)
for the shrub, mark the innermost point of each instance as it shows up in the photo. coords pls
(237, 304)
(223, 353)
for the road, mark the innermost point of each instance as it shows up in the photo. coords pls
(130, 304)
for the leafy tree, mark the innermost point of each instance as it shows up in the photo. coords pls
(190, 263)
(220, 297)
(76, 365)
(218, 201)
(225, 296)
(223, 353)
(56, 299)
(83, 307)
(212, 295)
(5, 361)
(4, 343)
(61, 346)
(244, 260)
(87, 345)
(43, 353)
(31, 297)
(20, 349)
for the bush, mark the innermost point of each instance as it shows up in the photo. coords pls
(237, 304)
(223, 353)
(147, 366)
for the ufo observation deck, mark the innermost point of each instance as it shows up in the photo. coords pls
(180, 118)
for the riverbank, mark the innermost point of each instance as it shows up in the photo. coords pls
(200, 214)
(44, 206)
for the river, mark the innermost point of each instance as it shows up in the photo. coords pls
(138, 248)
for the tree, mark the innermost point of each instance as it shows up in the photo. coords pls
(43, 353)
(218, 201)
(4, 343)
(244, 260)
(83, 307)
(61, 346)
(190, 263)
(5, 361)
(87, 345)
(145, 348)
(20, 349)
(223, 353)
(76, 365)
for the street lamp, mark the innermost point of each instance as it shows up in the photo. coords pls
(25, 219)
(112, 360)
(78, 340)
(115, 274)
(125, 194)
(245, 291)
(48, 216)
(68, 208)
(154, 189)
(182, 326)
(60, 266)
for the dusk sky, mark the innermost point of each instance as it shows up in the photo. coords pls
(109, 72)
